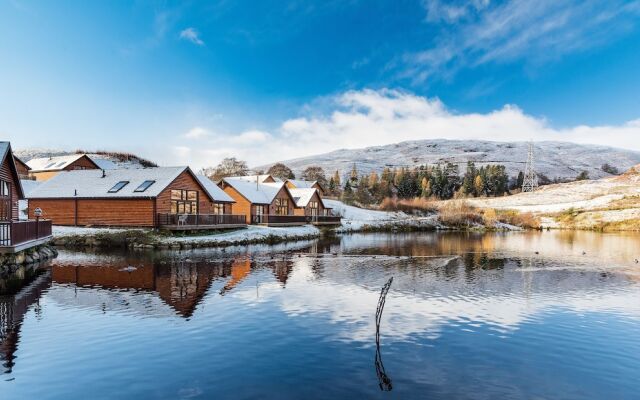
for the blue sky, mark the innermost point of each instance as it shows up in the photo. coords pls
(192, 82)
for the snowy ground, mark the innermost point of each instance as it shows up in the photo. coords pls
(253, 233)
(62, 231)
(355, 219)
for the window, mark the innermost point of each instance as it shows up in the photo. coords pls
(116, 188)
(259, 210)
(313, 206)
(5, 201)
(282, 207)
(183, 201)
(144, 186)
(218, 208)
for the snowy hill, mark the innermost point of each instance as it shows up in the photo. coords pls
(106, 160)
(560, 160)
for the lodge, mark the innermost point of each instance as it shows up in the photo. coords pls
(265, 200)
(300, 184)
(45, 168)
(172, 198)
(16, 235)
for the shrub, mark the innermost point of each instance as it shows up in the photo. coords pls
(410, 206)
(459, 214)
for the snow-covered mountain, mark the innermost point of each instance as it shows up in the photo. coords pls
(562, 160)
(107, 160)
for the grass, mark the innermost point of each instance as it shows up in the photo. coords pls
(459, 214)
(417, 205)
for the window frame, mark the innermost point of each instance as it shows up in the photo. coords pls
(141, 189)
(116, 189)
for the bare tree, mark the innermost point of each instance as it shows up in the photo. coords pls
(279, 170)
(228, 167)
(315, 173)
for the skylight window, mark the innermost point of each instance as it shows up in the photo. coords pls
(116, 188)
(144, 186)
(50, 165)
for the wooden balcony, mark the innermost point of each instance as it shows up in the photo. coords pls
(20, 235)
(328, 220)
(191, 222)
(279, 220)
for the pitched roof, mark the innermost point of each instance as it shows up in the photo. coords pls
(28, 185)
(19, 161)
(300, 184)
(5, 151)
(54, 163)
(214, 191)
(303, 196)
(90, 183)
(257, 193)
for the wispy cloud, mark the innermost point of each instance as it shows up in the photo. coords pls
(191, 35)
(378, 117)
(197, 132)
(476, 32)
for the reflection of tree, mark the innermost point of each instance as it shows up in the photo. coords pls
(383, 379)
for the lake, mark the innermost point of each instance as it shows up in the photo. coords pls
(534, 315)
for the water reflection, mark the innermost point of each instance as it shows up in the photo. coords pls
(285, 320)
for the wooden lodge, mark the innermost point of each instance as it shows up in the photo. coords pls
(171, 198)
(16, 235)
(300, 184)
(24, 171)
(262, 200)
(268, 201)
(45, 168)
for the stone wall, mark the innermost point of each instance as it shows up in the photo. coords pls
(10, 262)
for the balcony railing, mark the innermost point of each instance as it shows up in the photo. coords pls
(279, 219)
(200, 219)
(15, 233)
(325, 219)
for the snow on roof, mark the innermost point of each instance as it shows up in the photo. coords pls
(252, 178)
(299, 184)
(214, 191)
(91, 184)
(257, 193)
(103, 163)
(3, 148)
(28, 185)
(53, 163)
(303, 196)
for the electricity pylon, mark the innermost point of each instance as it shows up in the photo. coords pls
(530, 182)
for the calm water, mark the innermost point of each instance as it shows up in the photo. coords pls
(467, 317)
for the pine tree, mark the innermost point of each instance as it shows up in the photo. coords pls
(478, 185)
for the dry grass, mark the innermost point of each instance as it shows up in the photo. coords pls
(417, 205)
(459, 213)
(523, 220)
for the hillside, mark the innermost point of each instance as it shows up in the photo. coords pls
(113, 159)
(608, 203)
(556, 160)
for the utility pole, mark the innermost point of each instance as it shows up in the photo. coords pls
(530, 182)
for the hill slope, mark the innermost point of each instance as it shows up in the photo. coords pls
(560, 160)
(116, 159)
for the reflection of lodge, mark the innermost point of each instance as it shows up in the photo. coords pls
(12, 312)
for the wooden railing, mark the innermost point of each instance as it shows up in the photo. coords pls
(279, 219)
(325, 219)
(200, 219)
(14, 233)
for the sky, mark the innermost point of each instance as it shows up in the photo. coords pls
(189, 83)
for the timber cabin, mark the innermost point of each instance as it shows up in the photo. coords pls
(171, 198)
(23, 169)
(300, 184)
(45, 168)
(16, 235)
(309, 203)
(263, 200)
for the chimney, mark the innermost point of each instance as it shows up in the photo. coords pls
(104, 174)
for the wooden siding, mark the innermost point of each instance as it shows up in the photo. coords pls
(22, 168)
(184, 181)
(282, 194)
(8, 176)
(96, 212)
(241, 206)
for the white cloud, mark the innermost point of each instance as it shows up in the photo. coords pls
(378, 117)
(481, 32)
(191, 35)
(197, 133)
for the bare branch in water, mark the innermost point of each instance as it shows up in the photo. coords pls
(383, 379)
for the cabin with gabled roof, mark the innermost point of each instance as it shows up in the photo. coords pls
(45, 168)
(309, 203)
(162, 197)
(263, 200)
(16, 235)
(302, 184)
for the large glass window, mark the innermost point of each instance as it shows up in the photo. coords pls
(313, 207)
(184, 201)
(282, 207)
(218, 208)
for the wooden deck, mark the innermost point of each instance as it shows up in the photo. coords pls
(200, 222)
(16, 236)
